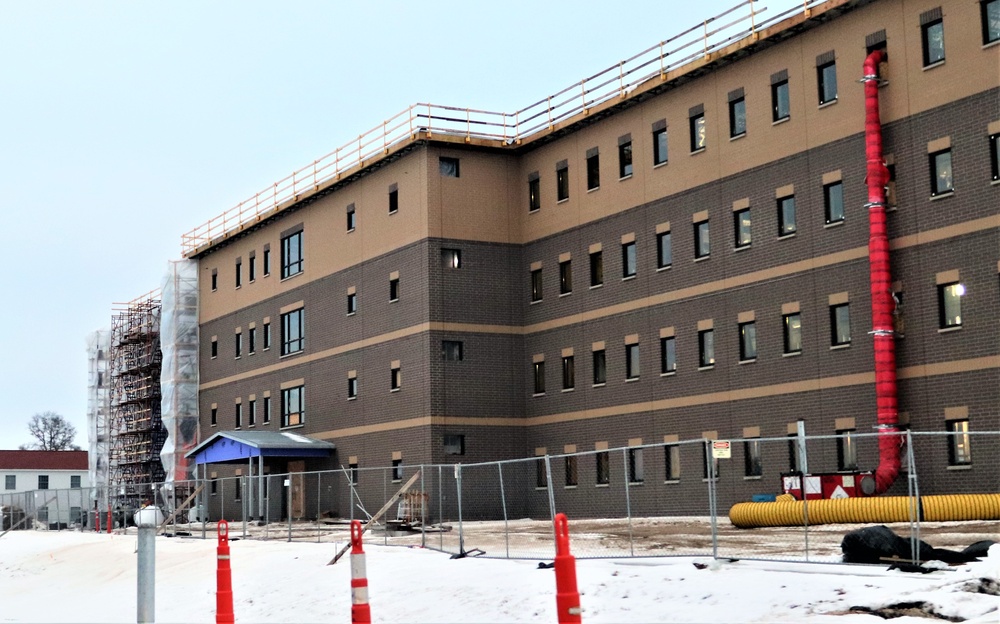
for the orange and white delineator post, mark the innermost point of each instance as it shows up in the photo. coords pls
(224, 580)
(567, 595)
(360, 610)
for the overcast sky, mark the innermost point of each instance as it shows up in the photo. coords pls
(125, 124)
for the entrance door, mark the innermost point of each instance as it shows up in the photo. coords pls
(298, 488)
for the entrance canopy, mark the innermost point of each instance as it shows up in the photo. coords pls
(239, 446)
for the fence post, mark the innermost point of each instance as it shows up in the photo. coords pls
(801, 428)
(914, 491)
(458, 487)
(440, 508)
(423, 510)
(628, 501)
(59, 512)
(503, 502)
(319, 507)
(551, 492)
(712, 503)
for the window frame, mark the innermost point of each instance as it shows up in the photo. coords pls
(43, 482)
(252, 341)
(776, 89)
(735, 117)
(393, 289)
(534, 195)
(984, 9)
(10, 482)
(453, 443)
(293, 332)
(238, 416)
(994, 145)
(625, 163)
(393, 200)
(541, 474)
(239, 272)
(630, 260)
(397, 464)
(593, 173)
(538, 378)
(672, 463)
(787, 330)
(599, 367)
(636, 470)
(661, 151)
(566, 277)
(352, 222)
(252, 269)
(238, 345)
(706, 348)
(787, 227)
(267, 411)
(266, 262)
(572, 472)
(664, 259)
(937, 178)
(298, 394)
(537, 286)
(668, 355)
(748, 333)
(352, 303)
(395, 378)
(452, 164)
(596, 268)
(828, 203)
(633, 365)
(959, 442)
(352, 388)
(835, 339)
(699, 130)
(699, 227)
(568, 373)
(452, 350)
(451, 258)
(252, 413)
(847, 450)
(742, 231)
(266, 336)
(925, 42)
(562, 183)
(292, 255)
(753, 462)
(955, 320)
(602, 466)
(823, 80)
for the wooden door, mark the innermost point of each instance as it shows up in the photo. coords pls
(298, 488)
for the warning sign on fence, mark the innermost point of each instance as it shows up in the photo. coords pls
(721, 449)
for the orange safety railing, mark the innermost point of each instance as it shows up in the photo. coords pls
(421, 120)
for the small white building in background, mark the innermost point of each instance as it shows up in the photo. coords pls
(53, 485)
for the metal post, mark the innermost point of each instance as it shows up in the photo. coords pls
(243, 502)
(260, 487)
(503, 502)
(288, 484)
(319, 497)
(423, 510)
(458, 487)
(222, 494)
(440, 509)
(551, 493)
(385, 496)
(803, 457)
(628, 501)
(712, 503)
(59, 512)
(146, 573)
(249, 489)
(267, 512)
(914, 487)
(203, 512)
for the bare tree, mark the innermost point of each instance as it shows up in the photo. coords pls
(52, 432)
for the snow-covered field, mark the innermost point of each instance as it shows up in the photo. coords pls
(84, 577)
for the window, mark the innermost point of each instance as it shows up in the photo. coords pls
(252, 269)
(709, 464)
(538, 372)
(541, 476)
(941, 178)
(752, 464)
(664, 252)
(351, 218)
(10, 482)
(452, 350)
(593, 172)
(706, 348)
(786, 215)
(252, 413)
(780, 100)
(833, 202)
(840, 324)
(697, 122)
(990, 16)
(352, 387)
(352, 303)
(959, 449)
(267, 410)
(355, 472)
(397, 464)
(625, 157)
(215, 416)
(562, 181)
(628, 260)
(292, 331)
(214, 486)
(748, 341)
(600, 368)
(252, 340)
(568, 373)
(932, 35)
(950, 305)
(536, 285)
(737, 115)
(266, 264)
(534, 194)
(215, 280)
(603, 468)
(565, 277)
(393, 199)
(448, 167)
(239, 344)
(291, 255)
(741, 228)
(668, 355)
(635, 471)
(672, 462)
(394, 289)
(215, 347)
(702, 242)
(995, 151)
(293, 406)
(43, 482)
(792, 330)
(847, 450)
(632, 361)
(239, 415)
(826, 76)
(239, 273)
(395, 378)
(596, 268)
(266, 336)
(571, 471)
(454, 444)
(451, 258)
(660, 144)
(239, 489)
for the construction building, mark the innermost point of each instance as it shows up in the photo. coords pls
(676, 248)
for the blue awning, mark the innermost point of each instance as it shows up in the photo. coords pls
(234, 446)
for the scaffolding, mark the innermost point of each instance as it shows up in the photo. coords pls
(98, 405)
(135, 430)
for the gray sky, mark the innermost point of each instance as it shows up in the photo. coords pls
(125, 124)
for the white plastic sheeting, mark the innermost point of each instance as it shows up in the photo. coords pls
(98, 404)
(179, 374)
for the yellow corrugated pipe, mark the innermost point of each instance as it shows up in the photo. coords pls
(789, 512)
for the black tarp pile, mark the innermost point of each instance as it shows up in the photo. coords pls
(878, 544)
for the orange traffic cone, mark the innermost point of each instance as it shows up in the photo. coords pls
(567, 595)
(224, 580)
(360, 610)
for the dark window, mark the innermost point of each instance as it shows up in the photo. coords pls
(737, 117)
(395, 378)
(352, 303)
(562, 183)
(397, 464)
(74, 482)
(596, 268)
(741, 228)
(752, 464)
(660, 146)
(239, 273)
(780, 101)
(990, 14)
(252, 269)
(214, 486)
(215, 347)
(950, 305)
(534, 195)
(625, 159)
(995, 151)
(538, 372)
(840, 324)
(291, 255)
(702, 242)
(792, 329)
(794, 463)
(571, 471)
(252, 338)
(536, 285)
(239, 415)
(672, 462)
(393, 200)
(593, 174)
(267, 336)
(215, 280)
(748, 341)
(664, 252)
(215, 416)
(43, 482)
(239, 344)
(293, 334)
(10, 482)
(847, 451)
(267, 410)
(941, 174)
(826, 75)
(293, 406)
(267, 261)
(454, 444)
(600, 368)
(603, 468)
(355, 473)
(628, 260)
(451, 258)
(541, 475)
(833, 201)
(448, 167)
(394, 289)
(932, 34)
(668, 355)
(565, 277)
(959, 443)
(352, 387)
(709, 464)
(706, 348)
(786, 216)
(632, 361)
(698, 132)
(252, 414)
(452, 350)
(568, 373)
(635, 470)
(351, 218)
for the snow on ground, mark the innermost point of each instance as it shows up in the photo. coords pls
(86, 577)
